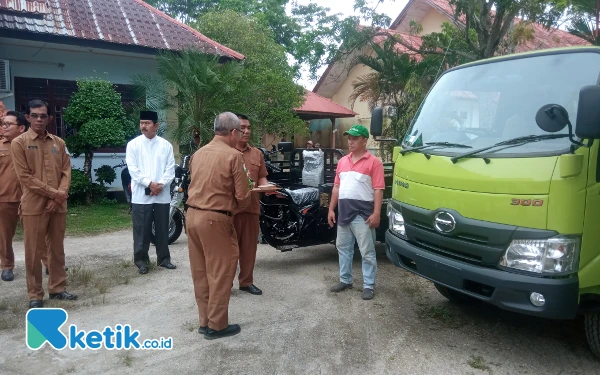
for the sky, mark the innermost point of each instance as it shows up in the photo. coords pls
(392, 8)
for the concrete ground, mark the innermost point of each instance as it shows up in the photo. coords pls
(296, 327)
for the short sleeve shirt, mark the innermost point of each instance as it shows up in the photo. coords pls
(358, 182)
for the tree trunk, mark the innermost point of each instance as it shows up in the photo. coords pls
(87, 170)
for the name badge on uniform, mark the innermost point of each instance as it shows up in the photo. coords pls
(54, 149)
(30, 147)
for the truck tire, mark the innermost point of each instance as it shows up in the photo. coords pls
(454, 296)
(174, 232)
(592, 332)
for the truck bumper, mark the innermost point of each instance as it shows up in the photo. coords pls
(509, 291)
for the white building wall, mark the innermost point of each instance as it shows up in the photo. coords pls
(53, 61)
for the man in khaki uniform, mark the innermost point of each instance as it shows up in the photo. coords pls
(13, 125)
(43, 167)
(246, 221)
(219, 186)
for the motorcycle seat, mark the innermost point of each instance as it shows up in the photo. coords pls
(304, 196)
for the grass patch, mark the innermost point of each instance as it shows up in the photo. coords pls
(477, 362)
(7, 322)
(126, 358)
(4, 305)
(79, 276)
(152, 266)
(93, 219)
(190, 325)
(440, 314)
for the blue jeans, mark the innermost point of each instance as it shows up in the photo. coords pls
(347, 235)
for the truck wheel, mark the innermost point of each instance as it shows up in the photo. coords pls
(454, 296)
(592, 331)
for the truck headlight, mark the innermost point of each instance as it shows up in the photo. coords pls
(553, 256)
(396, 221)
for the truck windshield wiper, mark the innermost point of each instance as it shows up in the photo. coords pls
(511, 142)
(433, 144)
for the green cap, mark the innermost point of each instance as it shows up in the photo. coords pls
(357, 131)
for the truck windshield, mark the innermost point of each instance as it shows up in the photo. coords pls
(482, 105)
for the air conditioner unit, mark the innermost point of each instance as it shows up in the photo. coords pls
(4, 76)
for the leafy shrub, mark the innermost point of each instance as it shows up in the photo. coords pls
(105, 175)
(81, 189)
(80, 185)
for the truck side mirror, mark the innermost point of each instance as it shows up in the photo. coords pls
(552, 118)
(588, 113)
(377, 121)
(285, 146)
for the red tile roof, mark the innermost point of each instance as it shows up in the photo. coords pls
(316, 105)
(127, 22)
(543, 38)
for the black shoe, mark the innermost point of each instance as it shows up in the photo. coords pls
(232, 329)
(143, 270)
(36, 304)
(168, 266)
(202, 329)
(339, 287)
(8, 275)
(63, 295)
(252, 289)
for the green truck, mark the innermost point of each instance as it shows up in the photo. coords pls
(496, 195)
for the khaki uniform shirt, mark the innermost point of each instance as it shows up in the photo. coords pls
(43, 168)
(255, 164)
(10, 189)
(218, 180)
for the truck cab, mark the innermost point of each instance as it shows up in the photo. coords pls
(496, 193)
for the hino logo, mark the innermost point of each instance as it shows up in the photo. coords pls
(444, 222)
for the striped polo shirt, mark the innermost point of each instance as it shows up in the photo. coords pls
(358, 182)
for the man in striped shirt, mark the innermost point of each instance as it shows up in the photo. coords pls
(358, 194)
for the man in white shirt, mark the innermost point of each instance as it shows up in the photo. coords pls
(151, 164)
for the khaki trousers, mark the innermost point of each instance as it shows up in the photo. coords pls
(213, 251)
(9, 216)
(35, 231)
(247, 227)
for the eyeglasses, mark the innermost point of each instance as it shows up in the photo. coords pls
(7, 125)
(241, 131)
(35, 116)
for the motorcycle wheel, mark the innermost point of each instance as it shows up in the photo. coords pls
(175, 228)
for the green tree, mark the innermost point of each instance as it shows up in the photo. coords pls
(309, 33)
(585, 19)
(197, 86)
(398, 80)
(96, 114)
(266, 90)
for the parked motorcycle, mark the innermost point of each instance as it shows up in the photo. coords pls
(125, 180)
(295, 215)
(179, 195)
(179, 188)
(292, 218)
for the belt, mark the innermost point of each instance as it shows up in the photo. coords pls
(217, 211)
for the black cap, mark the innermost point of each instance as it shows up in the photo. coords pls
(149, 115)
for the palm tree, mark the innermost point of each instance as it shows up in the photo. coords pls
(398, 80)
(197, 85)
(585, 21)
